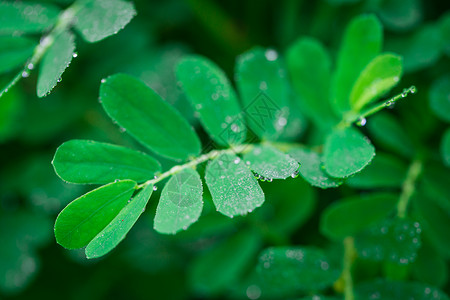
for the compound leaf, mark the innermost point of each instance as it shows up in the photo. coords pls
(362, 41)
(270, 163)
(98, 19)
(17, 17)
(261, 78)
(55, 61)
(14, 51)
(82, 161)
(440, 98)
(148, 118)
(378, 77)
(233, 187)
(213, 97)
(352, 215)
(181, 202)
(346, 152)
(116, 231)
(311, 168)
(80, 221)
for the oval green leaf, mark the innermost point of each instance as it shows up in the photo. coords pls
(55, 61)
(271, 163)
(98, 19)
(115, 232)
(80, 221)
(82, 161)
(233, 187)
(311, 169)
(213, 97)
(346, 152)
(264, 90)
(378, 77)
(362, 41)
(148, 118)
(352, 215)
(440, 98)
(181, 202)
(14, 51)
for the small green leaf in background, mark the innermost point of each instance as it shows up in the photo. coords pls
(260, 71)
(384, 171)
(233, 187)
(311, 168)
(55, 61)
(362, 41)
(294, 269)
(440, 97)
(224, 264)
(378, 77)
(181, 202)
(270, 163)
(420, 49)
(98, 19)
(445, 148)
(309, 66)
(81, 220)
(383, 289)
(11, 109)
(399, 15)
(14, 51)
(148, 118)
(435, 183)
(386, 130)
(396, 240)
(444, 26)
(430, 267)
(352, 215)
(82, 161)
(211, 94)
(116, 231)
(346, 152)
(17, 17)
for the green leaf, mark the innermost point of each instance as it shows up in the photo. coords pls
(107, 239)
(395, 240)
(383, 289)
(378, 77)
(387, 131)
(98, 19)
(261, 77)
(399, 15)
(435, 183)
(17, 17)
(181, 202)
(148, 118)
(346, 152)
(11, 109)
(311, 168)
(445, 148)
(420, 49)
(270, 163)
(82, 161)
(86, 216)
(14, 51)
(384, 171)
(349, 216)
(309, 66)
(294, 269)
(444, 26)
(213, 97)
(55, 61)
(430, 267)
(362, 41)
(233, 187)
(223, 265)
(440, 98)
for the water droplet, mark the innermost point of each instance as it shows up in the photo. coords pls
(413, 89)
(250, 210)
(116, 180)
(295, 174)
(389, 103)
(263, 85)
(269, 179)
(267, 265)
(324, 265)
(247, 163)
(235, 128)
(25, 74)
(253, 292)
(215, 96)
(271, 54)
(237, 160)
(282, 121)
(121, 129)
(361, 122)
(198, 106)
(75, 55)
(155, 188)
(185, 227)
(30, 66)
(103, 80)
(59, 79)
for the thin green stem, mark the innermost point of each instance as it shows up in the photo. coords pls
(196, 161)
(408, 189)
(349, 257)
(64, 21)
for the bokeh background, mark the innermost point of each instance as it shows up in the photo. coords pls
(148, 265)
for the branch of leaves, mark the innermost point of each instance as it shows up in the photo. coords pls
(94, 20)
(101, 218)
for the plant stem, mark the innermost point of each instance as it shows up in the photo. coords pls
(64, 21)
(408, 188)
(196, 161)
(349, 256)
